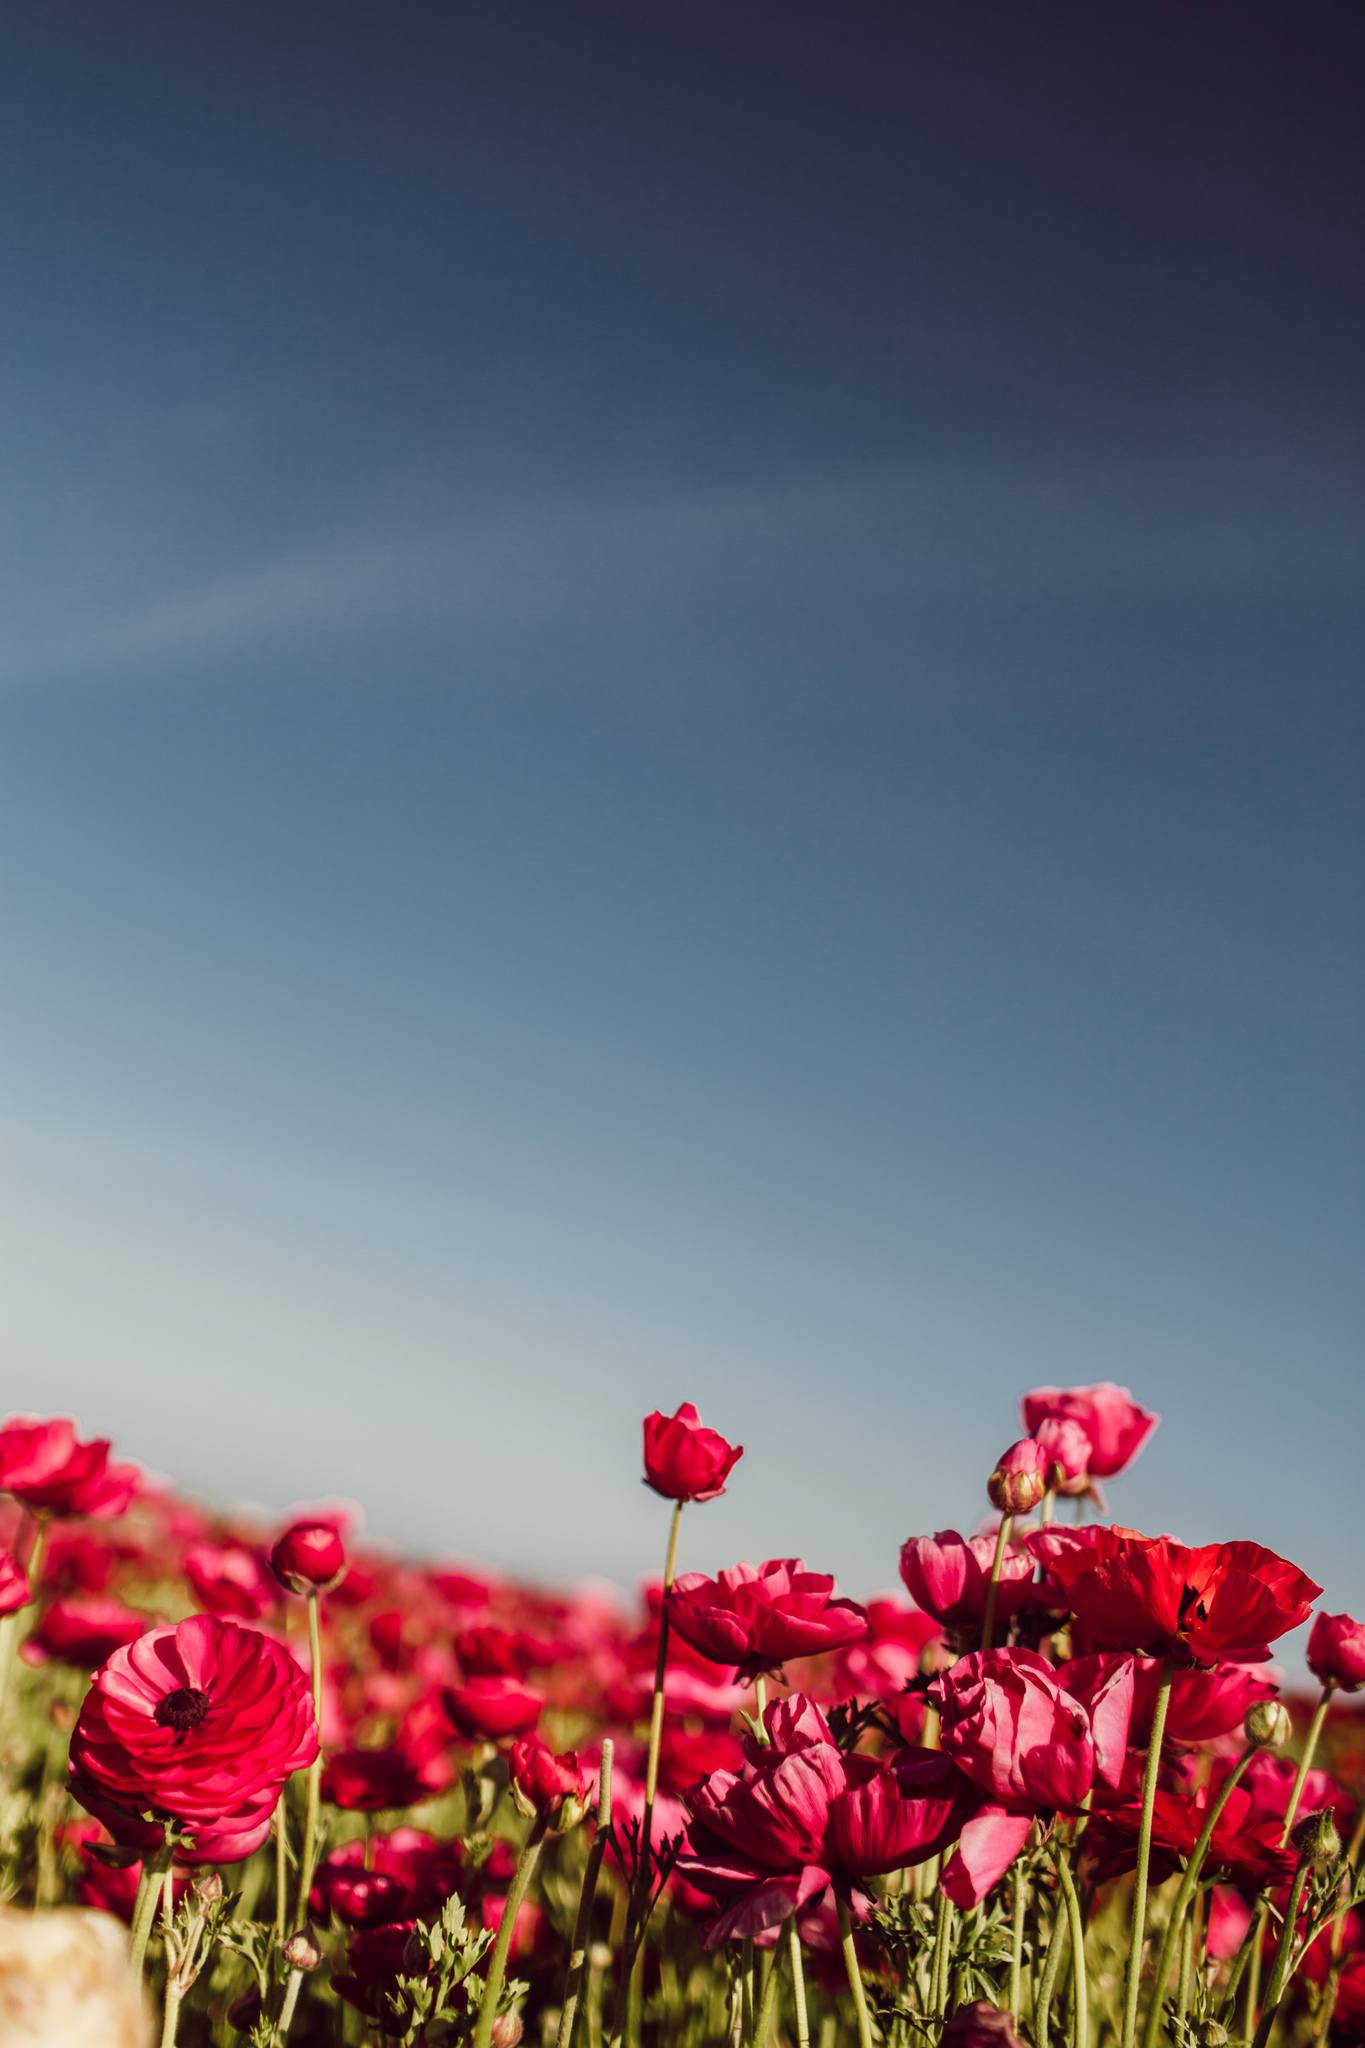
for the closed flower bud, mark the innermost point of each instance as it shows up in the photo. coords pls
(1019, 1481)
(507, 2030)
(309, 1558)
(300, 1953)
(1317, 1840)
(1268, 1724)
(1210, 2035)
(209, 1889)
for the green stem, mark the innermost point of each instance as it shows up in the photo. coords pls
(938, 1974)
(798, 1984)
(1144, 1856)
(1002, 1538)
(171, 2015)
(767, 2004)
(1280, 1971)
(582, 1933)
(281, 1869)
(1052, 1963)
(855, 1977)
(1188, 1884)
(145, 1905)
(308, 1859)
(1016, 1996)
(1080, 1989)
(1310, 1743)
(502, 1947)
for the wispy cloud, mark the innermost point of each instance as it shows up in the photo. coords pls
(1213, 522)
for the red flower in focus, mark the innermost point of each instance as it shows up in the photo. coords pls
(948, 1576)
(372, 1780)
(490, 1709)
(15, 1591)
(202, 1723)
(548, 1786)
(43, 1465)
(756, 1616)
(1205, 1702)
(800, 1817)
(1027, 1744)
(1115, 1423)
(1336, 1651)
(309, 1557)
(683, 1459)
(229, 1579)
(1223, 1602)
(82, 1632)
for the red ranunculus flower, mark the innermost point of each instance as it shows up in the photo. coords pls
(980, 2026)
(229, 1579)
(1336, 1651)
(309, 1557)
(948, 1576)
(15, 1591)
(490, 1709)
(83, 1630)
(1205, 1702)
(756, 1616)
(43, 1465)
(800, 1817)
(547, 1785)
(203, 1723)
(1224, 1602)
(1114, 1422)
(372, 1780)
(1027, 1744)
(1244, 1846)
(683, 1459)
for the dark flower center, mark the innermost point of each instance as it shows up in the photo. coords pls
(1190, 1600)
(183, 1709)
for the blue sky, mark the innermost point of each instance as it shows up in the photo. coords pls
(680, 718)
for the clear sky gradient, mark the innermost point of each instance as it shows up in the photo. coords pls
(681, 717)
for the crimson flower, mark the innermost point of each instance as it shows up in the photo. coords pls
(82, 1630)
(1205, 1702)
(949, 1575)
(229, 1579)
(1027, 1744)
(390, 1877)
(372, 1780)
(1222, 1602)
(548, 1786)
(44, 1465)
(1336, 1651)
(309, 1557)
(756, 1616)
(15, 1591)
(800, 1817)
(1115, 1423)
(489, 1709)
(202, 1723)
(1245, 1845)
(683, 1459)
(980, 2026)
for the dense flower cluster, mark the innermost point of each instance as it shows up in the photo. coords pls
(464, 1807)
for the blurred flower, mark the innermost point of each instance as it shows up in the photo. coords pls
(1336, 1651)
(229, 1579)
(43, 1465)
(309, 1557)
(1115, 1423)
(82, 1631)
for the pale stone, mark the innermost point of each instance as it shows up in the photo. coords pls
(65, 1981)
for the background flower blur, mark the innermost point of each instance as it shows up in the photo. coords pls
(680, 716)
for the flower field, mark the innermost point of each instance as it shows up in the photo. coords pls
(1052, 1791)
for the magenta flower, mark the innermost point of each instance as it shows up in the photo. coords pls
(757, 1616)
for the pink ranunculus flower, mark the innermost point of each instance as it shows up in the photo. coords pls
(202, 1722)
(757, 1616)
(1069, 1453)
(309, 1557)
(1115, 1423)
(491, 1709)
(82, 1629)
(766, 1841)
(1336, 1651)
(1020, 1478)
(1205, 1702)
(948, 1576)
(230, 1579)
(44, 1465)
(15, 1591)
(683, 1459)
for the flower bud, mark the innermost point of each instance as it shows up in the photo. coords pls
(209, 1889)
(1317, 1841)
(300, 1953)
(1019, 1481)
(1208, 2034)
(309, 1558)
(1268, 1724)
(507, 2030)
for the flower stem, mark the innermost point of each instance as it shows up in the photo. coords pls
(502, 1947)
(855, 1977)
(767, 2003)
(1052, 1963)
(582, 1933)
(1280, 1972)
(1017, 1939)
(281, 1870)
(1310, 1743)
(1144, 1855)
(798, 1984)
(1002, 1537)
(171, 2015)
(145, 1905)
(1080, 1989)
(1188, 1883)
(310, 1813)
